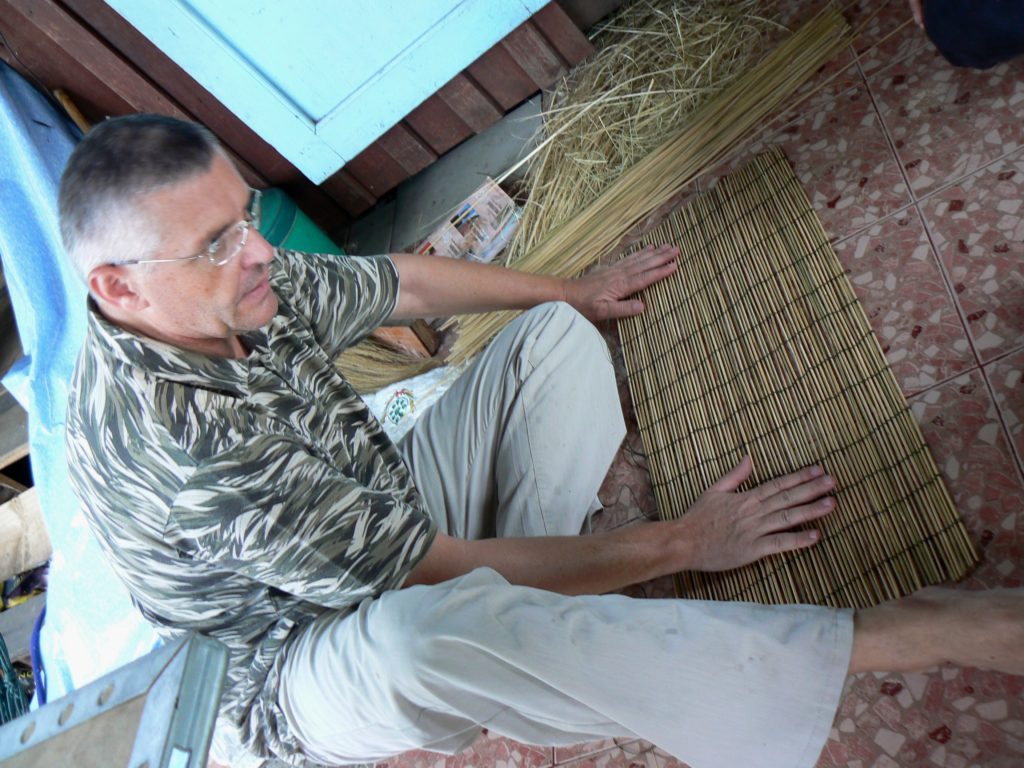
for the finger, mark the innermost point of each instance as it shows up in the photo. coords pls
(780, 484)
(637, 282)
(613, 310)
(734, 478)
(799, 494)
(650, 258)
(790, 517)
(788, 542)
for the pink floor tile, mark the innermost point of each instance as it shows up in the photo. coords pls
(962, 427)
(885, 33)
(843, 160)
(940, 718)
(896, 276)
(947, 122)
(577, 751)
(489, 750)
(1005, 377)
(977, 226)
(633, 754)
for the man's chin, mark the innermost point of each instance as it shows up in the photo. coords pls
(260, 316)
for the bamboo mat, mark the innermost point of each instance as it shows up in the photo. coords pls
(757, 344)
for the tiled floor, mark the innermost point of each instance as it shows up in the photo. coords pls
(917, 172)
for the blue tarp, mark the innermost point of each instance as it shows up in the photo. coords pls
(91, 626)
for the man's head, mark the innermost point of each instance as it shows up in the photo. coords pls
(157, 190)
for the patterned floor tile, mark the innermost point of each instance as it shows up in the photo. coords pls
(947, 122)
(634, 754)
(885, 33)
(489, 750)
(843, 160)
(896, 276)
(946, 718)
(576, 752)
(1005, 376)
(962, 427)
(978, 229)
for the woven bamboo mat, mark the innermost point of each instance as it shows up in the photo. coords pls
(757, 345)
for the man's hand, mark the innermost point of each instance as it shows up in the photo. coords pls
(604, 293)
(729, 530)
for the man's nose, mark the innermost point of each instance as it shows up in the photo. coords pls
(257, 250)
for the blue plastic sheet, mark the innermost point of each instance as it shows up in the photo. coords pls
(91, 626)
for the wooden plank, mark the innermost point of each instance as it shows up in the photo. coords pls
(16, 626)
(353, 196)
(562, 33)
(407, 149)
(12, 484)
(431, 339)
(471, 104)
(45, 21)
(498, 73)
(534, 54)
(401, 339)
(376, 170)
(438, 125)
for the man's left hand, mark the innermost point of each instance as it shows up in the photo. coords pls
(604, 293)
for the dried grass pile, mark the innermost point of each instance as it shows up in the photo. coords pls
(655, 63)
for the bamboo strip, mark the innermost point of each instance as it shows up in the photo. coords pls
(757, 345)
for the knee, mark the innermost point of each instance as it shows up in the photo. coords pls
(562, 331)
(420, 631)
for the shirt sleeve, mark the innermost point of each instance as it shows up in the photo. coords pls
(281, 516)
(344, 298)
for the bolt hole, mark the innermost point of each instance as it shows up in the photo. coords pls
(27, 733)
(105, 695)
(65, 715)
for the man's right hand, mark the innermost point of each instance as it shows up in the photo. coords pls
(722, 530)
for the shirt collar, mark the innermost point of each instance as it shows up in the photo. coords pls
(175, 364)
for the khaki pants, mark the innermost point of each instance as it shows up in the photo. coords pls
(518, 447)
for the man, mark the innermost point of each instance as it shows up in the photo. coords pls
(377, 598)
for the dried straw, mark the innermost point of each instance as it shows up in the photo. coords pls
(655, 63)
(757, 345)
(363, 364)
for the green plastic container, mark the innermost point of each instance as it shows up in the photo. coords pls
(283, 224)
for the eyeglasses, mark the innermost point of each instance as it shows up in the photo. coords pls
(224, 248)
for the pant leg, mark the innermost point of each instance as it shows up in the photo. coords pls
(719, 685)
(522, 441)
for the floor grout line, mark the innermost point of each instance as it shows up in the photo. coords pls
(1014, 453)
(908, 396)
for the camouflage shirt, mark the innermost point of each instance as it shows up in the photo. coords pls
(243, 498)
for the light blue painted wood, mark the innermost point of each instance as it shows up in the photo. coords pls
(425, 65)
(321, 79)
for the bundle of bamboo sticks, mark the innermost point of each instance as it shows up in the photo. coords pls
(757, 345)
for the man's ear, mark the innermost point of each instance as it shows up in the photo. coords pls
(114, 285)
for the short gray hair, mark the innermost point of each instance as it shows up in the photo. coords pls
(118, 162)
